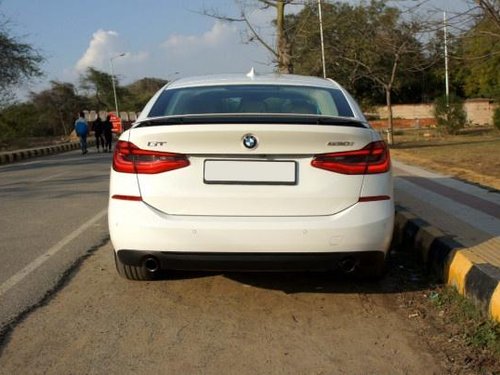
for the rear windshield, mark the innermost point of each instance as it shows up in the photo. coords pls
(255, 99)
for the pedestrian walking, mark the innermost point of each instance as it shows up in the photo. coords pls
(82, 130)
(107, 128)
(98, 128)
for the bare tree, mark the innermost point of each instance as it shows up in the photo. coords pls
(57, 106)
(384, 45)
(19, 61)
(281, 53)
(460, 21)
(491, 9)
(399, 51)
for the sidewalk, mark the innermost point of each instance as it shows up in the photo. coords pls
(17, 155)
(456, 228)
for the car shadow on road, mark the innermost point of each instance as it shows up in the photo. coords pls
(404, 274)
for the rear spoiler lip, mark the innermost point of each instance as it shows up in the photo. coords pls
(299, 119)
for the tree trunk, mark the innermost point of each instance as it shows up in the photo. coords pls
(390, 130)
(388, 92)
(63, 125)
(282, 42)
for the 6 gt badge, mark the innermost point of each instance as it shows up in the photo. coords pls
(249, 141)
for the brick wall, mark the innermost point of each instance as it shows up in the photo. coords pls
(479, 113)
(125, 116)
(400, 123)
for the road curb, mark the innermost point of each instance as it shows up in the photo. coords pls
(453, 263)
(18, 155)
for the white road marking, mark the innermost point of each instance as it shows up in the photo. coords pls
(19, 276)
(22, 164)
(50, 177)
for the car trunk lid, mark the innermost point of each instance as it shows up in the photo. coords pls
(226, 177)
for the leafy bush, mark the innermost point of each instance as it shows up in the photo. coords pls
(18, 121)
(496, 118)
(450, 117)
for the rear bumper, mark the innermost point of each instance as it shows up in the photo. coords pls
(195, 261)
(364, 227)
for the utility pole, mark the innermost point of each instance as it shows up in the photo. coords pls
(113, 81)
(322, 41)
(446, 61)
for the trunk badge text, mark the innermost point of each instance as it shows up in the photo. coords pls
(249, 141)
(344, 143)
(156, 144)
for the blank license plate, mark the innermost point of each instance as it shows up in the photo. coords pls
(250, 172)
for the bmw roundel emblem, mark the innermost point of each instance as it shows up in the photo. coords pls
(249, 141)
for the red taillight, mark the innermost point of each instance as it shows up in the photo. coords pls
(134, 198)
(374, 198)
(128, 158)
(374, 158)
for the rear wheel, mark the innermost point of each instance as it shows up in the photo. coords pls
(132, 272)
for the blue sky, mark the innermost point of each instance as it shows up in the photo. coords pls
(160, 38)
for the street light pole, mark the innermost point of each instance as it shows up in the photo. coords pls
(447, 80)
(322, 41)
(113, 80)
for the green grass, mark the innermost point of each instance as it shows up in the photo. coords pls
(479, 331)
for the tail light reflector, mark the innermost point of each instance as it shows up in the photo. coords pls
(374, 198)
(128, 158)
(134, 198)
(374, 158)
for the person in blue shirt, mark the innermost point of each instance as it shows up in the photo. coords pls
(82, 130)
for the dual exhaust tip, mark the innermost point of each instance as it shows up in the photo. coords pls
(151, 264)
(346, 265)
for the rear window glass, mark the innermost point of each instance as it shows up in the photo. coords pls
(276, 99)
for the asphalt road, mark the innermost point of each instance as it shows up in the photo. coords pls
(53, 211)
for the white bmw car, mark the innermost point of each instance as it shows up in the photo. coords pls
(250, 172)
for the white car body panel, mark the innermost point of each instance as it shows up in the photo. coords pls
(362, 227)
(226, 139)
(185, 192)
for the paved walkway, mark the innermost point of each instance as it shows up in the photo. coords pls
(28, 153)
(468, 214)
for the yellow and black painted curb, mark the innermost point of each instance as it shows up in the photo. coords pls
(14, 156)
(453, 263)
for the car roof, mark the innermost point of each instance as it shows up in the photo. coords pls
(252, 78)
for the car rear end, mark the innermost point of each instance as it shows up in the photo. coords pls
(254, 189)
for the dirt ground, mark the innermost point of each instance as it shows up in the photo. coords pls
(236, 324)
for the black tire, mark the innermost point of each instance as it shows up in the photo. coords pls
(132, 272)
